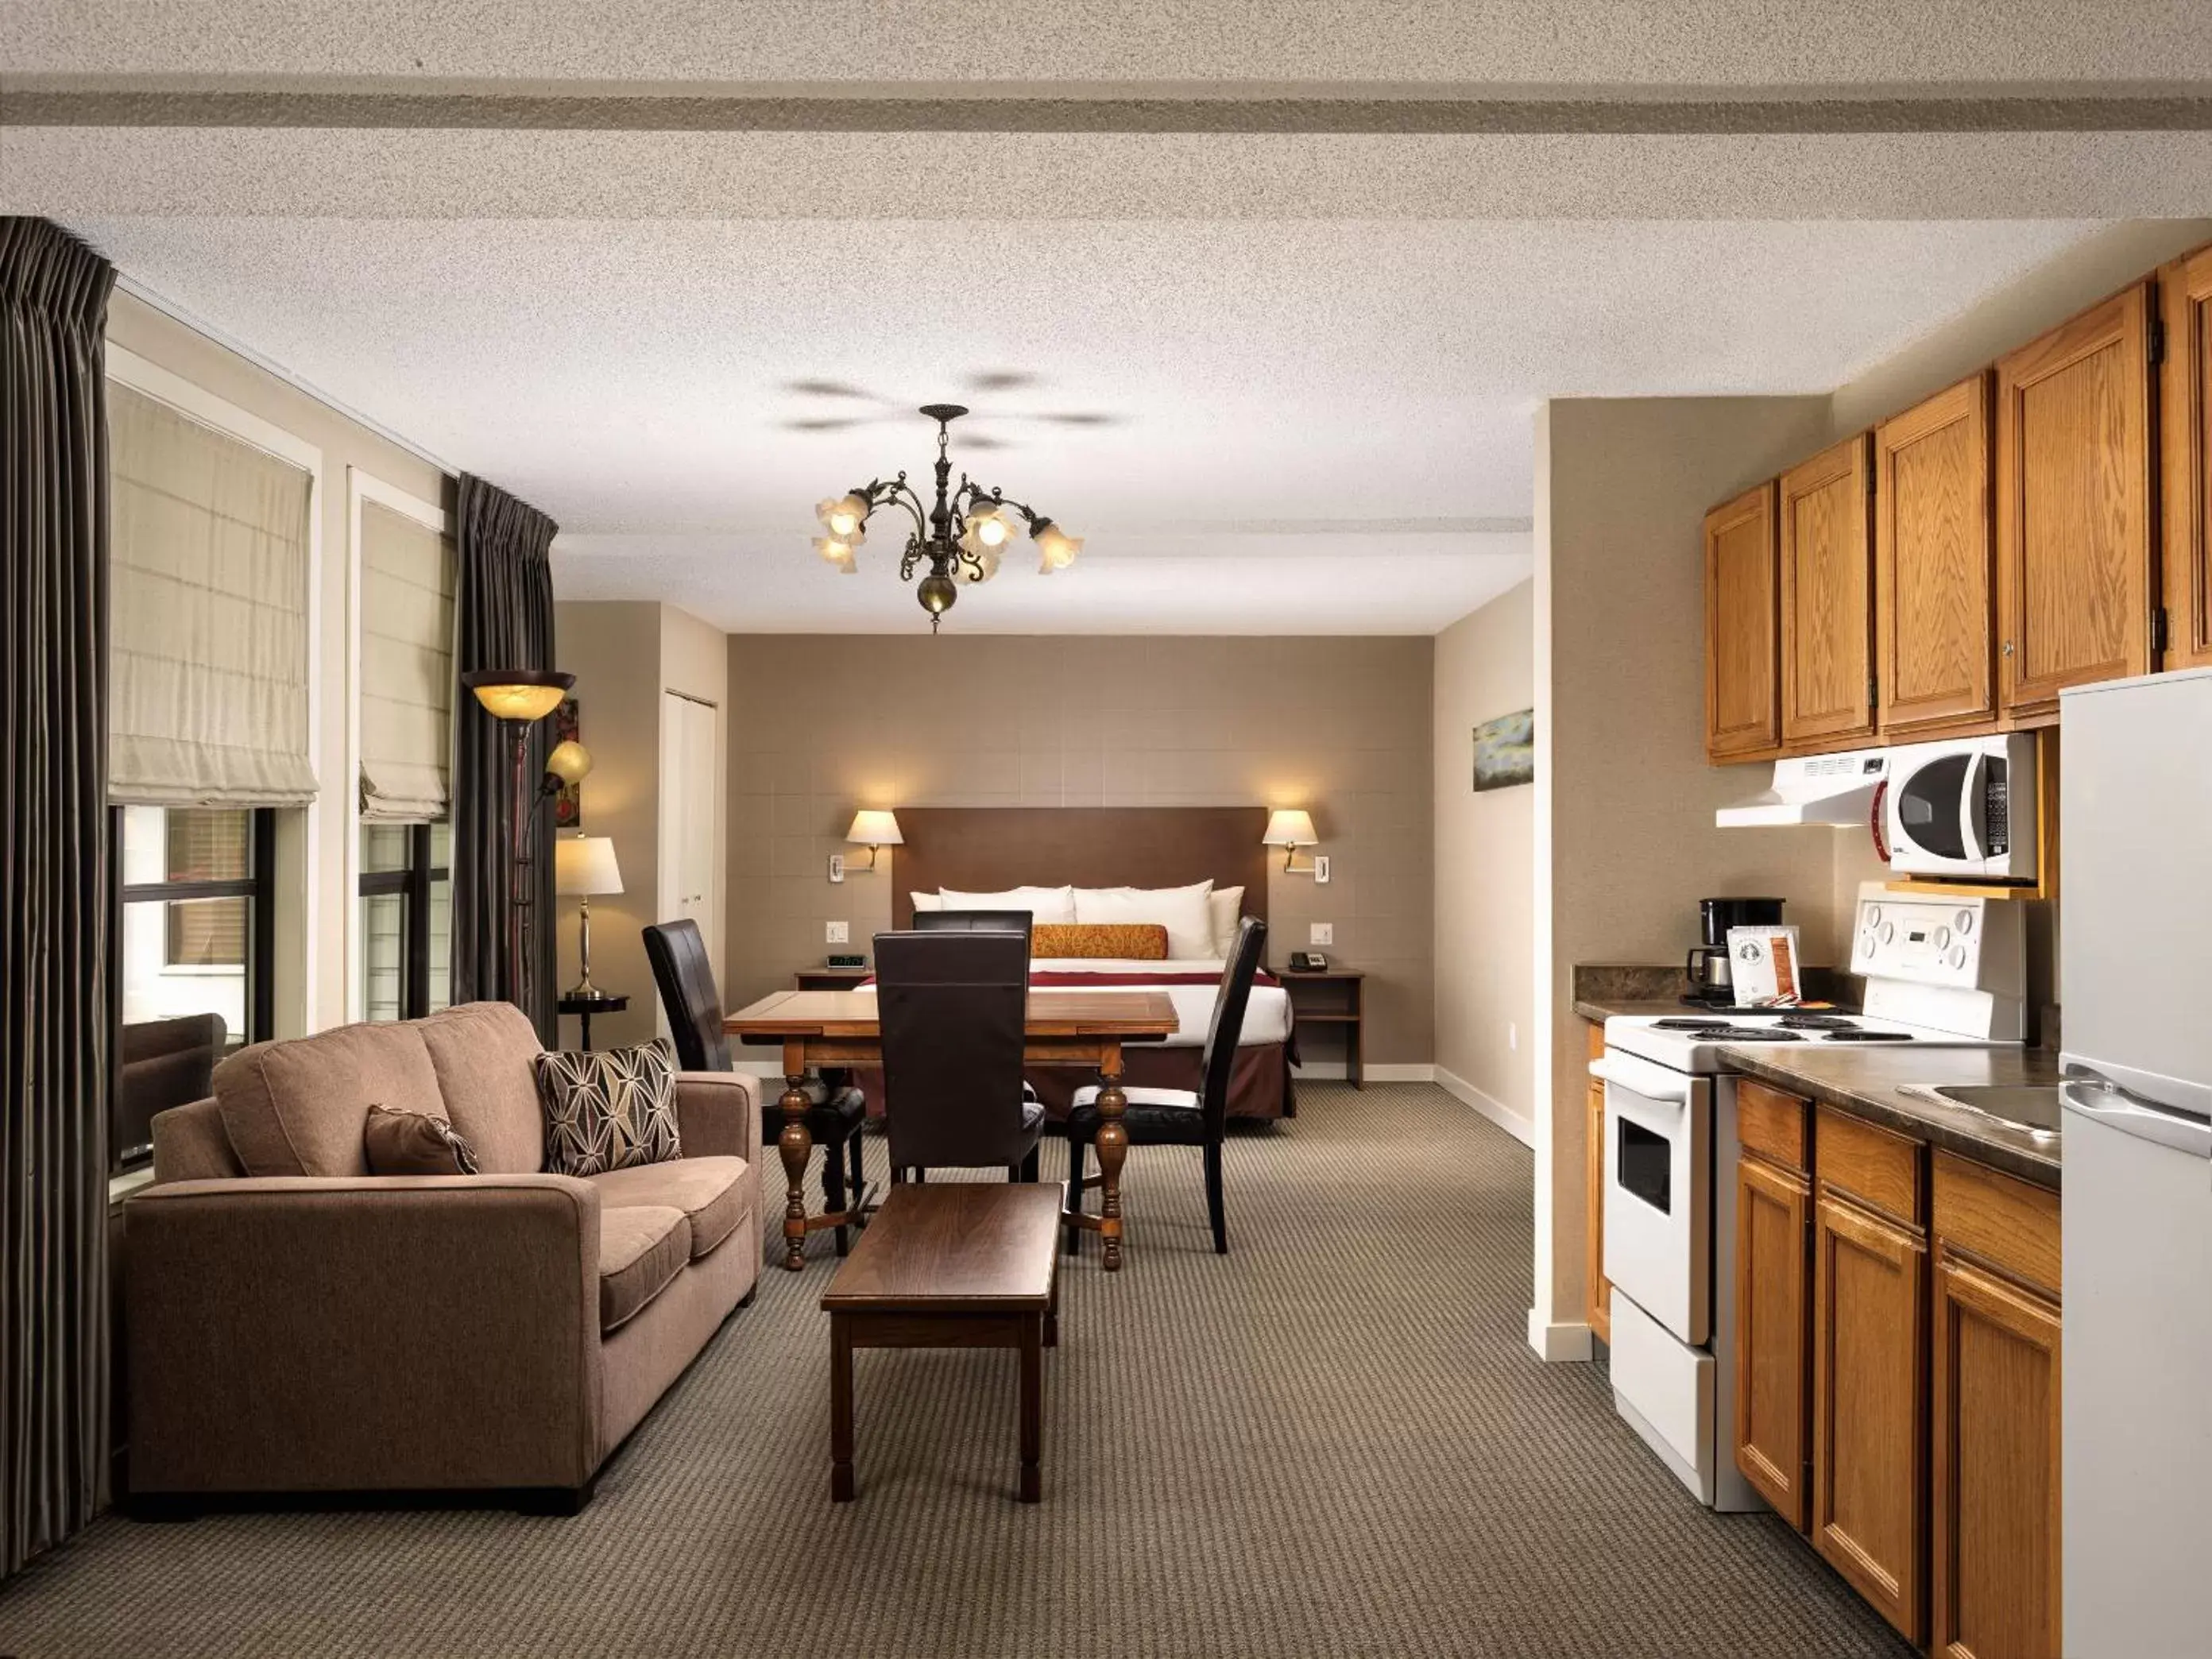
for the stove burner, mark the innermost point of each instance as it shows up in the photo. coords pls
(1678, 1024)
(1751, 1033)
(1818, 1023)
(1867, 1036)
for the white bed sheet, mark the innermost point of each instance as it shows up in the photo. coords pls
(1266, 1017)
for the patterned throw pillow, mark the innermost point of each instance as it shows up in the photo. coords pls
(609, 1110)
(1131, 941)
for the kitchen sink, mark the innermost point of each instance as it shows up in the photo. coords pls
(2030, 1106)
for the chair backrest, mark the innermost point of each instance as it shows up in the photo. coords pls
(977, 921)
(686, 980)
(953, 1005)
(1218, 1064)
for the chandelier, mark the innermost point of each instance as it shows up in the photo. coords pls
(961, 539)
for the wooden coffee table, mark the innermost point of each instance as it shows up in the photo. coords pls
(949, 1267)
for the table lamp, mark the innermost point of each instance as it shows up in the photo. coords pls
(583, 866)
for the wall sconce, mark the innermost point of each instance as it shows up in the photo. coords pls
(874, 830)
(1291, 829)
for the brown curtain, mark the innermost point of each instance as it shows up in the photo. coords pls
(54, 895)
(504, 621)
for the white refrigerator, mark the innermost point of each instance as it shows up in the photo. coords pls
(2134, 993)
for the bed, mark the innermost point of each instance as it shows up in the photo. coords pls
(975, 849)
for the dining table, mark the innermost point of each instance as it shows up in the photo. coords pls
(1086, 1029)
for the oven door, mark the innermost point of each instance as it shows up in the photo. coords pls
(1658, 1191)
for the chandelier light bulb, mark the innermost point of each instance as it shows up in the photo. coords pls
(835, 550)
(842, 516)
(1055, 547)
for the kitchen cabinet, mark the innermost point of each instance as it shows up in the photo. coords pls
(1743, 692)
(1825, 561)
(2074, 508)
(1869, 1368)
(2185, 467)
(1599, 1297)
(1935, 566)
(1773, 1304)
(1997, 1349)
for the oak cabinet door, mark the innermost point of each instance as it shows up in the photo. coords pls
(1743, 709)
(1773, 1326)
(1600, 1310)
(2074, 505)
(1870, 1408)
(2185, 302)
(1997, 1560)
(1935, 559)
(1827, 624)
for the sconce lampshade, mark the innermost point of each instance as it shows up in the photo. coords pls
(583, 865)
(519, 694)
(570, 762)
(1291, 827)
(875, 829)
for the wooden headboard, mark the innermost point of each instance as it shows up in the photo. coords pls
(987, 849)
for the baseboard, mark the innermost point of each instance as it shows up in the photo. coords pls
(1496, 1110)
(1555, 1343)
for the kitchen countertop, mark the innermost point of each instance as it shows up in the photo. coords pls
(1865, 1083)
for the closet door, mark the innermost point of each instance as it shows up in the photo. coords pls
(691, 817)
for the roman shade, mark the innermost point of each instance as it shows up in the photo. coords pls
(407, 579)
(208, 675)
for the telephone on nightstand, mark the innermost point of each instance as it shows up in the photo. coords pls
(1308, 962)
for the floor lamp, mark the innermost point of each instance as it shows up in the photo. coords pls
(518, 698)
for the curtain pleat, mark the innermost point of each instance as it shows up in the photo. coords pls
(54, 891)
(504, 621)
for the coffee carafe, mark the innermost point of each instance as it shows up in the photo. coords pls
(1707, 966)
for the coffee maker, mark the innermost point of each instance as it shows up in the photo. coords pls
(1707, 968)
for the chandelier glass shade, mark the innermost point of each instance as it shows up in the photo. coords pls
(962, 538)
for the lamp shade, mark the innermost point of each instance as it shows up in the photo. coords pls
(519, 694)
(583, 865)
(875, 829)
(570, 762)
(1291, 827)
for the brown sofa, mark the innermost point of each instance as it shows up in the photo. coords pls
(297, 1324)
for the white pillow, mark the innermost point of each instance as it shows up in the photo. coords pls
(1044, 904)
(1182, 910)
(928, 901)
(1225, 909)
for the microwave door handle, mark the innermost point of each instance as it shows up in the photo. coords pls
(1973, 809)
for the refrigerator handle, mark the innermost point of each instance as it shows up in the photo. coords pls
(2096, 1097)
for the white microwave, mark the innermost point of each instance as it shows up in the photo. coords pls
(1965, 807)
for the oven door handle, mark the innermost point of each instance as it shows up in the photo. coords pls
(1641, 1077)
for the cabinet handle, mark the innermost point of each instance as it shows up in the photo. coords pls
(2007, 647)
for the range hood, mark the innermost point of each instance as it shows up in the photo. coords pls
(1832, 789)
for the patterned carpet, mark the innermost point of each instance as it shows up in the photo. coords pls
(1336, 1441)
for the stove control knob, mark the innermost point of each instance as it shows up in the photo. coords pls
(1942, 937)
(1873, 915)
(1958, 957)
(1867, 943)
(1888, 932)
(1964, 921)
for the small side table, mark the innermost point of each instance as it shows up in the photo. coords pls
(829, 979)
(1334, 996)
(585, 1007)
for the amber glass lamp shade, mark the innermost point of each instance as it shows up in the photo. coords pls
(519, 694)
(570, 762)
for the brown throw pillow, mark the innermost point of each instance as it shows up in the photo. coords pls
(414, 1143)
(609, 1110)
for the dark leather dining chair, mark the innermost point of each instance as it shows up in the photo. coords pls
(1181, 1117)
(953, 1005)
(975, 921)
(686, 980)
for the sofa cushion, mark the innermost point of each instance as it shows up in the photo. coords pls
(298, 1107)
(711, 1192)
(414, 1143)
(642, 1248)
(484, 1052)
(610, 1109)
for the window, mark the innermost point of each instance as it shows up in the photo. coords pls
(405, 934)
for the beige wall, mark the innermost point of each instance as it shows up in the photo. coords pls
(1625, 842)
(626, 656)
(819, 727)
(1486, 1037)
(314, 905)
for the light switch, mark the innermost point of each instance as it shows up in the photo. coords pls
(1320, 869)
(836, 866)
(1323, 933)
(838, 932)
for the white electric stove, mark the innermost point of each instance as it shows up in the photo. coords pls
(1940, 972)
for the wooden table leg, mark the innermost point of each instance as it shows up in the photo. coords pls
(1113, 1146)
(840, 1408)
(1032, 1488)
(794, 1146)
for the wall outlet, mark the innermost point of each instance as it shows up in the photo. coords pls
(838, 932)
(836, 866)
(1323, 933)
(1513, 1035)
(1320, 869)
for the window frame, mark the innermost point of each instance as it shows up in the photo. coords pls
(412, 885)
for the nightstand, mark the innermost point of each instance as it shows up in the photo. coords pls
(1335, 998)
(585, 1007)
(829, 979)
